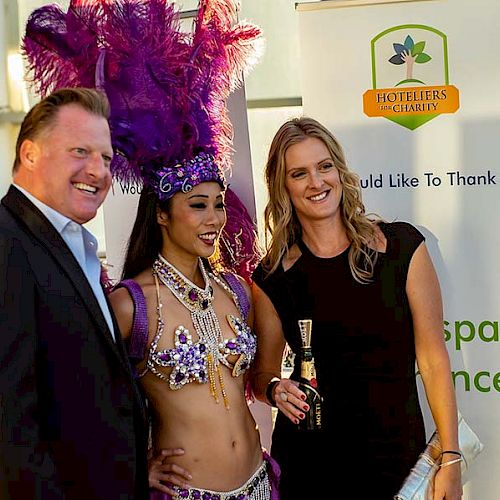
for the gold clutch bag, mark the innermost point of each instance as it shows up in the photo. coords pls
(419, 485)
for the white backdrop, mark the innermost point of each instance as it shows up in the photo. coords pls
(458, 218)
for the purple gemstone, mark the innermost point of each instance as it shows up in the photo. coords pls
(195, 494)
(193, 295)
(182, 338)
(204, 303)
(203, 348)
(206, 496)
(183, 493)
(165, 356)
(179, 377)
(231, 345)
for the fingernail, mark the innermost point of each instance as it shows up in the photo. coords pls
(301, 416)
(305, 407)
(303, 398)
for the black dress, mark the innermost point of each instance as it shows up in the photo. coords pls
(363, 344)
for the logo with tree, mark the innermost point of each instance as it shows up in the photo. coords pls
(409, 53)
(410, 80)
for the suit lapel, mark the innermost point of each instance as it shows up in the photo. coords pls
(38, 225)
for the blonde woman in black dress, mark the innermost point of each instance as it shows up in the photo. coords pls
(372, 293)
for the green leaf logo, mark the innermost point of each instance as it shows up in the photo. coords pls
(409, 53)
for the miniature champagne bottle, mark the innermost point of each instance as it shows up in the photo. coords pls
(308, 382)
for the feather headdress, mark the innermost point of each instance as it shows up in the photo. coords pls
(167, 87)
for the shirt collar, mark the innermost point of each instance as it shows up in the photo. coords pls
(58, 220)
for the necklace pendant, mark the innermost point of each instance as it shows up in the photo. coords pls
(190, 295)
(193, 295)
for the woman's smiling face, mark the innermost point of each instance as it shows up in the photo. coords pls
(312, 180)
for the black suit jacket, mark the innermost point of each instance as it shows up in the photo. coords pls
(72, 419)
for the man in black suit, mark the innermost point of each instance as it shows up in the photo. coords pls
(72, 421)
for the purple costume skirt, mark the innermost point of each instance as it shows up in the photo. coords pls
(270, 473)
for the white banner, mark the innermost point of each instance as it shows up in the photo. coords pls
(412, 92)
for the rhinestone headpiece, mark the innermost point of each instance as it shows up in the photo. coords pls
(183, 176)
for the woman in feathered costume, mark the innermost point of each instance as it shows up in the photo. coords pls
(184, 311)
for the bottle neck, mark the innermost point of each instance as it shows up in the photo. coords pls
(306, 354)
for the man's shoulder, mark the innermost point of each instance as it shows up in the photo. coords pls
(14, 219)
(13, 203)
(8, 222)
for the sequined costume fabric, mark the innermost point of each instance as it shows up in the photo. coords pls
(262, 485)
(188, 357)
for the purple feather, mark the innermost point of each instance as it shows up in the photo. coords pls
(238, 242)
(167, 89)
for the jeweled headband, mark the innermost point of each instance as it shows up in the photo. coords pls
(184, 176)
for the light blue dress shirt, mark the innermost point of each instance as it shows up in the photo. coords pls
(82, 244)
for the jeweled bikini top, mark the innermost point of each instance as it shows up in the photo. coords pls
(193, 360)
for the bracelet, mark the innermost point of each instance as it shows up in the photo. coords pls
(269, 391)
(453, 452)
(451, 462)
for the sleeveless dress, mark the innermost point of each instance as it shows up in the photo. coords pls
(363, 345)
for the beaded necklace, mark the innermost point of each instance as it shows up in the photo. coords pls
(206, 324)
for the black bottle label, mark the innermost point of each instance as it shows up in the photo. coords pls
(309, 385)
(312, 419)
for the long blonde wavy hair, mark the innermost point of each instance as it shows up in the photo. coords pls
(282, 226)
